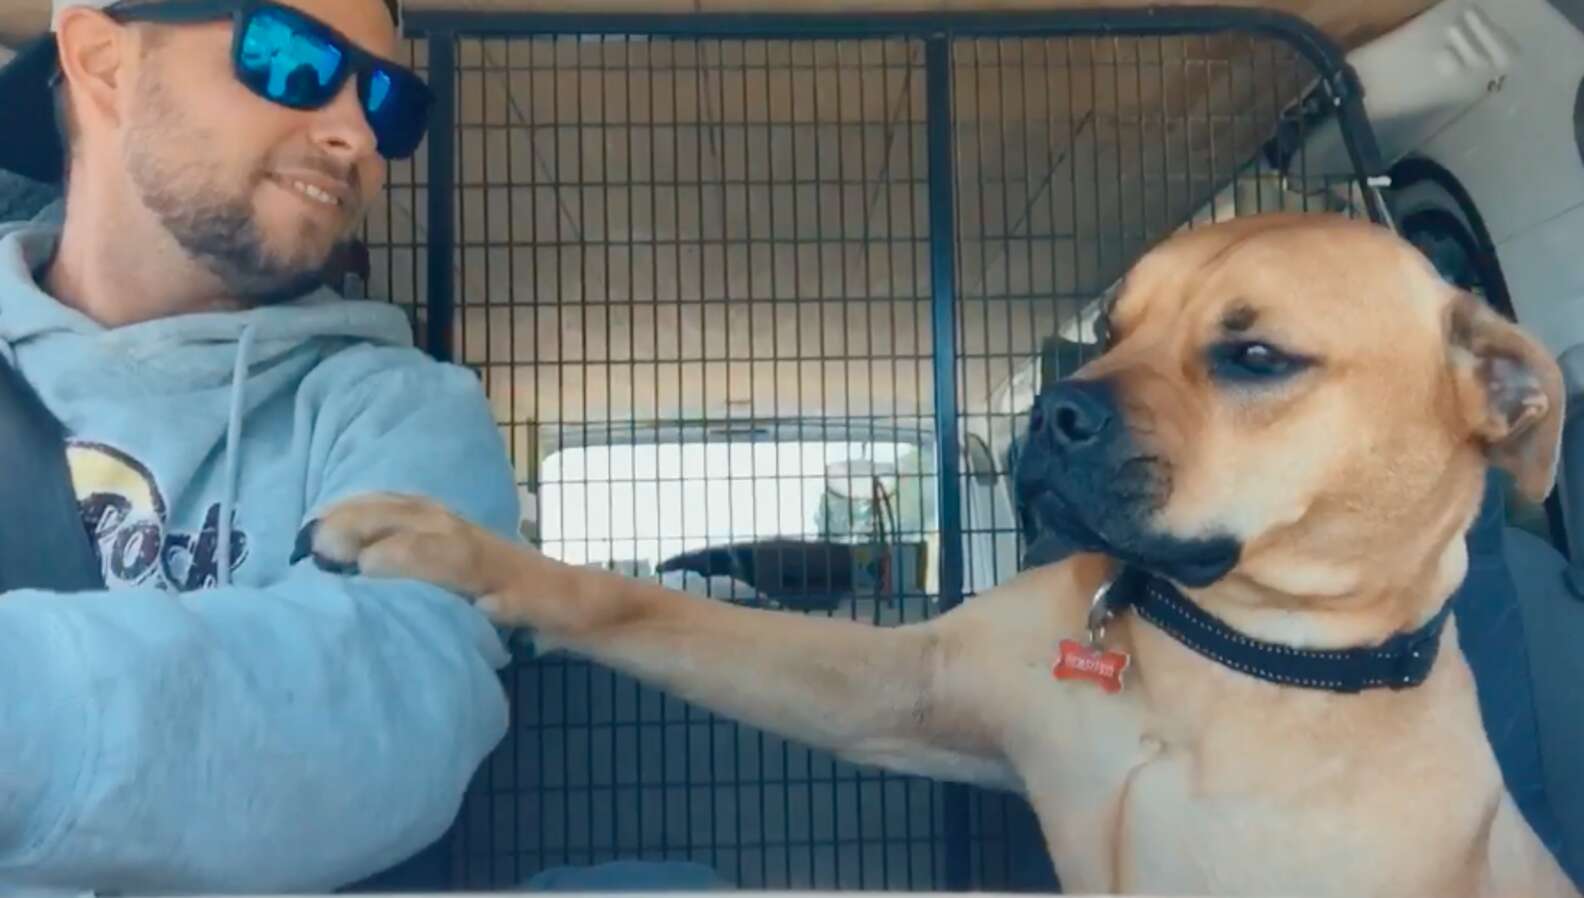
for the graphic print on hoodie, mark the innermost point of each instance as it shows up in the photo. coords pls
(124, 513)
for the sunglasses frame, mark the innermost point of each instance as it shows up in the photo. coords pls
(359, 62)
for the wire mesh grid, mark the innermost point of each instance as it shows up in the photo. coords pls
(699, 279)
(396, 231)
(691, 273)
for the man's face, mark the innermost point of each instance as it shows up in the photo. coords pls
(258, 193)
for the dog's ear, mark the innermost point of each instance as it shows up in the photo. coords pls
(1509, 391)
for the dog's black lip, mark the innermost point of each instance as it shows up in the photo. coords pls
(1059, 540)
(1070, 519)
(1203, 568)
(1048, 548)
(1205, 562)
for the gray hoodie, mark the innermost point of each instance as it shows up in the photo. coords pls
(220, 718)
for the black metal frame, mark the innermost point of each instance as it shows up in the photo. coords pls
(1337, 93)
(1340, 88)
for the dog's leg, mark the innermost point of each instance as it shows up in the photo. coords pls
(889, 696)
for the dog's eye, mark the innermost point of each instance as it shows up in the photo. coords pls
(1252, 361)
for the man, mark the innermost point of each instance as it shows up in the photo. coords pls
(223, 717)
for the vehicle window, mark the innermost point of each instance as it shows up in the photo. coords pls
(631, 506)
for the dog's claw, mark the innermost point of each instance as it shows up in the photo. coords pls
(304, 549)
(347, 568)
(305, 539)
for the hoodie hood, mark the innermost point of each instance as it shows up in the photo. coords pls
(194, 350)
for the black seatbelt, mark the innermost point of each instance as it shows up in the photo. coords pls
(43, 543)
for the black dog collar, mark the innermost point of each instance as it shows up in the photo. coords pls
(1400, 662)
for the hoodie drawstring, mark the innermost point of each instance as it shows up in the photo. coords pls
(233, 450)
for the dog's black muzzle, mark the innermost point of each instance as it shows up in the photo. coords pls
(1085, 484)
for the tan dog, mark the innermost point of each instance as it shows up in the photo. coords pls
(1292, 425)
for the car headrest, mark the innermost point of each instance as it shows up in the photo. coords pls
(1485, 535)
(22, 199)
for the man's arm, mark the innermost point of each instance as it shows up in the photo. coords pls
(294, 736)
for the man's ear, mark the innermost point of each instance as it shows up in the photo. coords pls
(91, 49)
(1509, 392)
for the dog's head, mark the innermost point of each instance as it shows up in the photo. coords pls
(1290, 397)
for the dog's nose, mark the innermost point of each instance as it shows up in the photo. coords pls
(1071, 414)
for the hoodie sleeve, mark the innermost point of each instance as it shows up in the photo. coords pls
(292, 737)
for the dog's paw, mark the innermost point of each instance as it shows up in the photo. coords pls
(391, 535)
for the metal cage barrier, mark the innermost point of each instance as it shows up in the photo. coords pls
(696, 260)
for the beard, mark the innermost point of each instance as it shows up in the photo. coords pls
(211, 216)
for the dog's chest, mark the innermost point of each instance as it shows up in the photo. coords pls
(1229, 824)
(1155, 818)
(1233, 798)
(1187, 818)
(1076, 755)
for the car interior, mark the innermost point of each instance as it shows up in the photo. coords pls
(753, 405)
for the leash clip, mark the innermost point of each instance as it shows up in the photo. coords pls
(1100, 612)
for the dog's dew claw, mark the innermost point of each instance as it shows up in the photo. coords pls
(304, 549)
(305, 540)
(346, 568)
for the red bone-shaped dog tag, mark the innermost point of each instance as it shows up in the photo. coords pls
(1081, 662)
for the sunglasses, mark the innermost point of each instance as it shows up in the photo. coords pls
(290, 58)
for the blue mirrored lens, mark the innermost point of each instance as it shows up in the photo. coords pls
(397, 110)
(379, 92)
(288, 63)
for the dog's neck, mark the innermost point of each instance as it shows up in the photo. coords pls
(1340, 606)
(1355, 593)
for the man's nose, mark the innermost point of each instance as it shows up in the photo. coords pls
(342, 129)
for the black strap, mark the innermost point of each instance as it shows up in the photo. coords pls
(43, 542)
(1399, 662)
